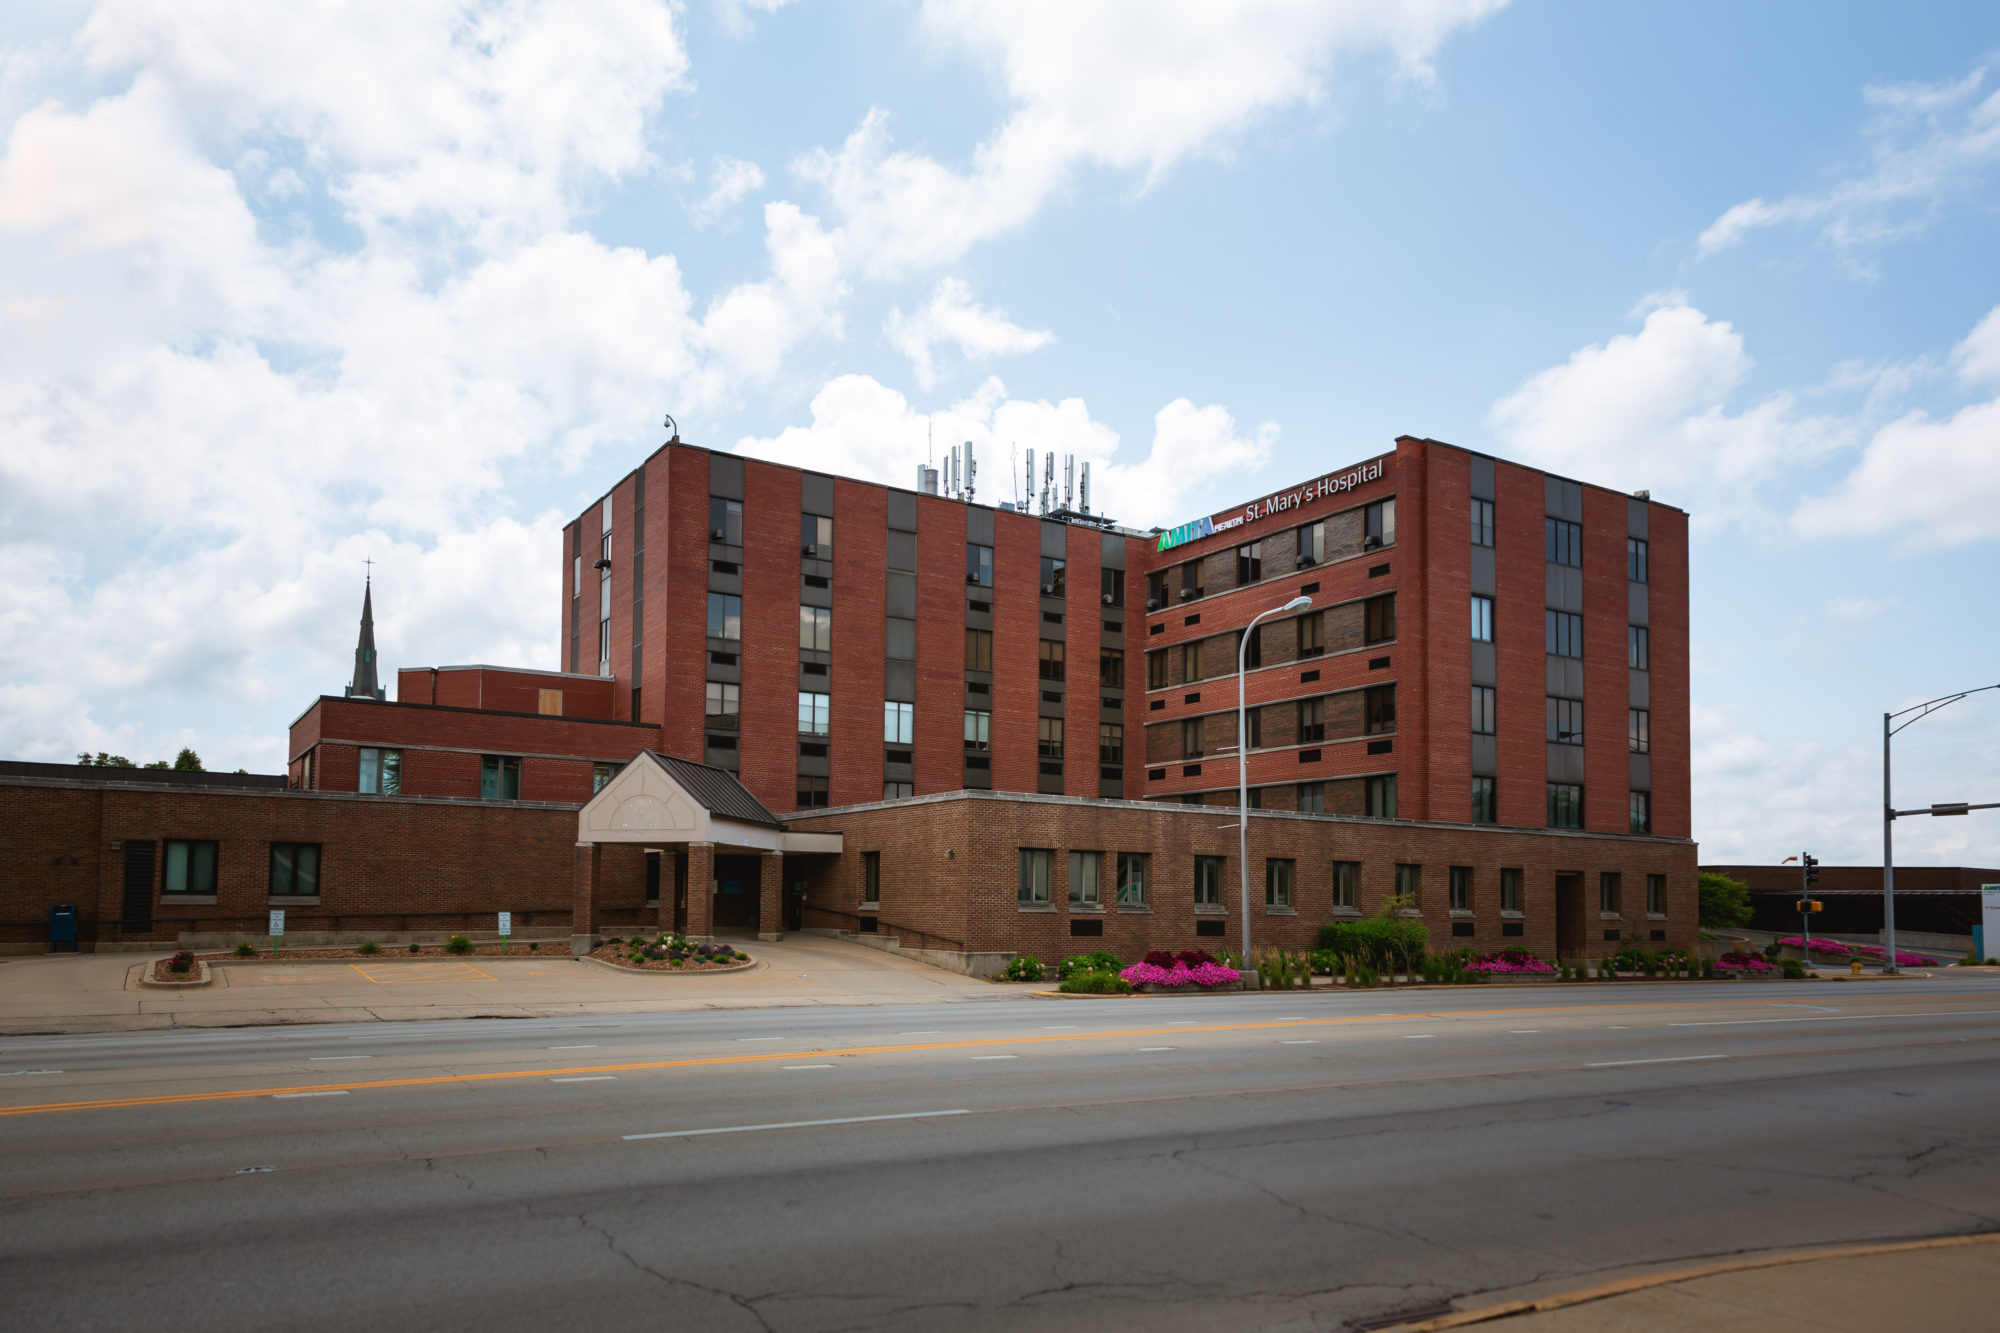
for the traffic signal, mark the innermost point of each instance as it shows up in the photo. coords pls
(1807, 905)
(1812, 869)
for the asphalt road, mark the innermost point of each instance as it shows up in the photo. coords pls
(1265, 1161)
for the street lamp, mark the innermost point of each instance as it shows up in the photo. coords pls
(1243, 766)
(1889, 813)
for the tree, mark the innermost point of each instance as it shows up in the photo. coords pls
(187, 761)
(104, 760)
(1725, 902)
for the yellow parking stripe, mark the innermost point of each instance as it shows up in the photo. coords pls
(408, 974)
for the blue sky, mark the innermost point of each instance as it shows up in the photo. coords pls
(286, 288)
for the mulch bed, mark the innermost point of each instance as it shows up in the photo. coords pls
(619, 955)
(389, 953)
(163, 971)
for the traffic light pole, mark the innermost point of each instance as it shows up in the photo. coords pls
(1890, 726)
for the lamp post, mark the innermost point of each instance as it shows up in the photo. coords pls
(1243, 767)
(1889, 813)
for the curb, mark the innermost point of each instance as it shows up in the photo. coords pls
(1669, 1277)
(371, 960)
(648, 972)
(1082, 995)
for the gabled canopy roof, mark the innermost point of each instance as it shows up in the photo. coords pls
(657, 798)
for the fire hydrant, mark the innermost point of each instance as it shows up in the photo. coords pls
(1854, 966)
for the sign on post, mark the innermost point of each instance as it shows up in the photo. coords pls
(1989, 921)
(506, 929)
(277, 927)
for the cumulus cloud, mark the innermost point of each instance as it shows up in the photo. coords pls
(954, 317)
(1133, 85)
(730, 182)
(863, 428)
(1928, 144)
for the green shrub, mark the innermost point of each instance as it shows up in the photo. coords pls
(1024, 967)
(1283, 969)
(1362, 976)
(1324, 962)
(246, 950)
(368, 948)
(458, 944)
(1099, 961)
(181, 963)
(1793, 969)
(1095, 983)
(1724, 902)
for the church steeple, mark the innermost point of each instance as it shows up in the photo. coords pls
(364, 684)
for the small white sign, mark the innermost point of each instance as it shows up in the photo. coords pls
(277, 921)
(506, 923)
(1989, 918)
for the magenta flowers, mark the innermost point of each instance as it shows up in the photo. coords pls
(1205, 975)
(1509, 960)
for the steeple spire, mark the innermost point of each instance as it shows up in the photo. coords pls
(364, 684)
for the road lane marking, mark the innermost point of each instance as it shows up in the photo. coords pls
(314, 1092)
(1842, 1018)
(805, 1066)
(1146, 1049)
(923, 1032)
(1662, 1060)
(580, 1046)
(1523, 1032)
(760, 1039)
(760, 1057)
(320, 1059)
(1618, 1027)
(22, 1073)
(791, 1124)
(996, 1057)
(587, 1078)
(1300, 1041)
(1060, 1027)
(1418, 1036)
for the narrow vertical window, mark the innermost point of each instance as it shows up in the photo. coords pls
(1482, 522)
(1485, 806)
(871, 878)
(1482, 619)
(1510, 890)
(1460, 888)
(1347, 885)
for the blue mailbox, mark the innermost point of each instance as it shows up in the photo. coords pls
(62, 926)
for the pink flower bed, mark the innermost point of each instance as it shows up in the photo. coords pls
(1823, 948)
(1872, 952)
(1206, 976)
(1509, 960)
(1746, 964)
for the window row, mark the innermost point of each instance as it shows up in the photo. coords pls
(1610, 892)
(1315, 544)
(188, 868)
(1371, 622)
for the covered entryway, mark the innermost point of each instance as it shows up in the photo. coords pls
(726, 849)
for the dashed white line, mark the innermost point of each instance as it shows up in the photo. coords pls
(18, 1073)
(1663, 1060)
(316, 1059)
(1299, 1041)
(760, 1039)
(1146, 1049)
(793, 1124)
(1522, 1032)
(1060, 1027)
(1418, 1036)
(925, 1032)
(805, 1066)
(996, 1057)
(580, 1046)
(280, 1096)
(587, 1078)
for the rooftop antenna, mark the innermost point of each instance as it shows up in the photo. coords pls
(971, 473)
(1048, 477)
(1028, 504)
(1069, 481)
(1083, 490)
(1013, 457)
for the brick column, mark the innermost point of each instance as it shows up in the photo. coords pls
(583, 898)
(670, 871)
(701, 890)
(771, 899)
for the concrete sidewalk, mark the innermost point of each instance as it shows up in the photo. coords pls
(1952, 1282)
(101, 992)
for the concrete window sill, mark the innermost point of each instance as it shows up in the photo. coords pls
(1135, 907)
(1347, 911)
(1281, 911)
(1087, 907)
(191, 899)
(1512, 916)
(1201, 909)
(1037, 907)
(1461, 913)
(1656, 916)
(869, 907)
(292, 902)
(1610, 916)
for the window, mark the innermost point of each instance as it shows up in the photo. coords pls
(1482, 522)
(898, 791)
(1607, 892)
(899, 722)
(1485, 804)
(1565, 805)
(725, 521)
(1347, 885)
(1191, 581)
(978, 730)
(901, 643)
(1311, 798)
(812, 793)
(979, 564)
(1255, 797)
(1250, 643)
(1381, 791)
(1380, 618)
(1642, 812)
(871, 878)
(1565, 721)
(381, 771)
(1312, 634)
(1132, 867)
(1656, 895)
(189, 868)
(723, 704)
(1208, 881)
(1191, 662)
(1563, 633)
(1312, 544)
(1312, 720)
(1051, 659)
(1083, 867)
(576, 581)
(1562, 543)
(816, 536)
(1156, 589)
(1639, 730)
(979, 650)
(1510, 890)
(499, 777)
(1380, 524)
(1253, 721)
(295, 870)
(1191, 740)
(815, 713)
(1482, 619)
(1156, 669)
(600, 774)
(1410, 885)
(1110, 743)
(1638, 648)
(1278, 882)
(1635, 559)
(1460, 889)
(1111, 668)
(1484, 710)
(1037, 873)
(1052, 577)
(1049, 737)
(1380, 706)
(815, 629)
(725, 616)
(1249, 563)
(1111, 586)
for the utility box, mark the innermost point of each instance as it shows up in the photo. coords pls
(62, 928)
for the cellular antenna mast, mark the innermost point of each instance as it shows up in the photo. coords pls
(971, 473)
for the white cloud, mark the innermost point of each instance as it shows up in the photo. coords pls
(1927, 482)
(953, 316)
(862, 428)
(1134, 85)
(1648, 410)
(1928, 143)
(1846, 607)
(1978, 356)
(730, 182)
